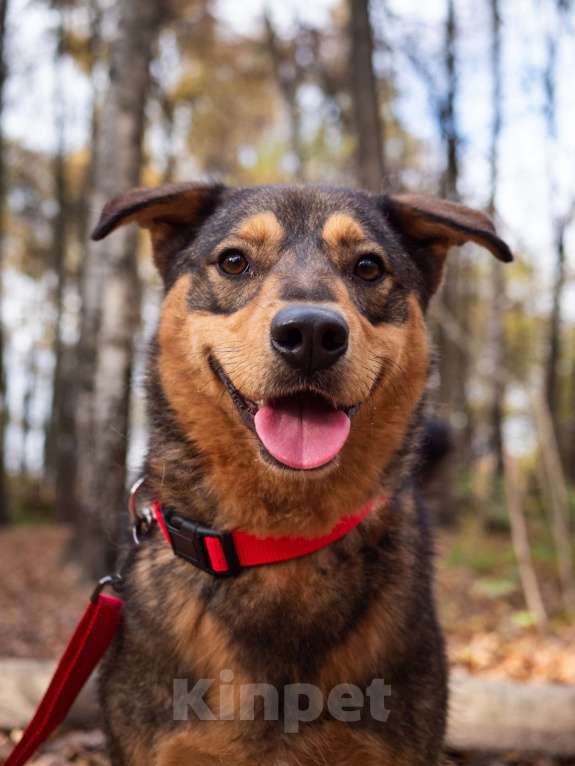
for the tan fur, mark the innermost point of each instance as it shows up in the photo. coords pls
(346, 241)
(259, 236)
(341, 228)
(447, 224)
(335, 746)
(157, 209)
(261, 229)
(327, 744)
(358, 654)
(240, 344)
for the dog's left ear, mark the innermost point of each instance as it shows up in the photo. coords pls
(428, 227)
(172, 214)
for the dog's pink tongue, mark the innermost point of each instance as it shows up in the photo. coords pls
(302, 432)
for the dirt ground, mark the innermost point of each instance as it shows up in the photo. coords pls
(41, 599)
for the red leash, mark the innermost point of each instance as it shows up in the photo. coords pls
(91, 638)
(219, 553)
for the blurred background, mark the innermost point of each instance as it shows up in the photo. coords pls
(472, 100)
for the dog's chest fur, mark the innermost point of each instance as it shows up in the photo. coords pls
(357, 610)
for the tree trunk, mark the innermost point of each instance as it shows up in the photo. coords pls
(368, 122)
(552, 382)
(65, 421)
(450, 355)
(492, 715)
(95, 53)
(497, 715)
(288, 76)
(571, 435)
(554, 350)
(4, 508)
(110, 310)
(59, 451)
(515, 492)
(27, 404)
(497, 329)
(169, 128)
(556, 494)
(448, 118)
(455, 295)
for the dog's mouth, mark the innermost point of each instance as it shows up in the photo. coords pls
(303, 430)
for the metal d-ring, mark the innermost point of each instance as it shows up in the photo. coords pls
(142, 518)
(114, 580)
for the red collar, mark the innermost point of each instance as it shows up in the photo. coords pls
(226, 553)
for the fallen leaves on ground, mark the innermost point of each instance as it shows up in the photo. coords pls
(488, 632)
(42, 598)
(41, 595)
(82, 748)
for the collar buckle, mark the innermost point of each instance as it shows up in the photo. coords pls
(189, 538)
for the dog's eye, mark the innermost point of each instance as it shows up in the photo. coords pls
(369, 268)
(233, 262)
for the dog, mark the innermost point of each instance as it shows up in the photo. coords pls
(286, 391)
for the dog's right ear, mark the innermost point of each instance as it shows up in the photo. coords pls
(429, 227)
(172, 214)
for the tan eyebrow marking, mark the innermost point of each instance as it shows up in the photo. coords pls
(342, 229)
(261, 229)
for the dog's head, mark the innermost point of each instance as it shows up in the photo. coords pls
(292, 338)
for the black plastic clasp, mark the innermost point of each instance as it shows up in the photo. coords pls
(189, 542)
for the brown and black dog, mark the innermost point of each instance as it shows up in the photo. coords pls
(286, 389)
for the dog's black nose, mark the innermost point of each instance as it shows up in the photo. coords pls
(309, 338)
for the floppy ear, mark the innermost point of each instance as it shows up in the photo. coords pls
(172, 213)
(428, 227)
